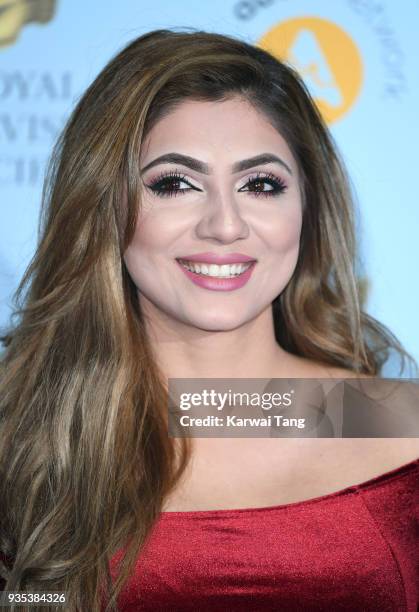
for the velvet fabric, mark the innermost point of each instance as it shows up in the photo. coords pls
(356, 549)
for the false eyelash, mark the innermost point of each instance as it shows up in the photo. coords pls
(154, 186)
(279, 186)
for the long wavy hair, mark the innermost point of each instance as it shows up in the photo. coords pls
(85, 457)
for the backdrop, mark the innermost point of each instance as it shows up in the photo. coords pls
(358, 58)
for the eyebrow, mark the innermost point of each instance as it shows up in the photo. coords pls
(203, 168)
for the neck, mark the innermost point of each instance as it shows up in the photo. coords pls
(184, 351)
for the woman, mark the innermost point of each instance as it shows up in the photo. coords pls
(195, 149)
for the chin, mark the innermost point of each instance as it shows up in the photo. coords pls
(219, 322)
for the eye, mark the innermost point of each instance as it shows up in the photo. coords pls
(167, 184)
(277, 185)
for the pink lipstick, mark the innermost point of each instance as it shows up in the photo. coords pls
(217, 272)
(213, 258)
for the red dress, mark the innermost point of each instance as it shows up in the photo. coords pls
(355, 550)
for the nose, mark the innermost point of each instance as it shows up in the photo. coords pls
(222, 221)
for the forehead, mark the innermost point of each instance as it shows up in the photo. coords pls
(232, 125)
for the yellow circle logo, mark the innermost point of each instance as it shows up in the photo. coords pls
(325, 56)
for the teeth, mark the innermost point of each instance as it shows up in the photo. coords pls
(224, 271)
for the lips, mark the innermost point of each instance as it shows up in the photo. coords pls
(218, 283)
(213, 258)
(217, 272)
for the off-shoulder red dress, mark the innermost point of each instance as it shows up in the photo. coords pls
(355, 550)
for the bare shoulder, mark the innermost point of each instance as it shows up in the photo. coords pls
(387, 452)
(384, 452)
(408, 446)
(323, 370)
(303, 367)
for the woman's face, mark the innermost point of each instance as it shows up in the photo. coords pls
(212, 198)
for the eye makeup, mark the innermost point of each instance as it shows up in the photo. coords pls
(164, 184)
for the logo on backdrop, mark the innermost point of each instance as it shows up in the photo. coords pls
(325, 56)
(15, 14)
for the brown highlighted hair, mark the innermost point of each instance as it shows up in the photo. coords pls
(85, 458)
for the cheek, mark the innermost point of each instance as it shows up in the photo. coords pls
(152, 235)
(285, 233)
(137, 255)
(150, 247)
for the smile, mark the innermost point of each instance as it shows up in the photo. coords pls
(214, 270)
(214, 277)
